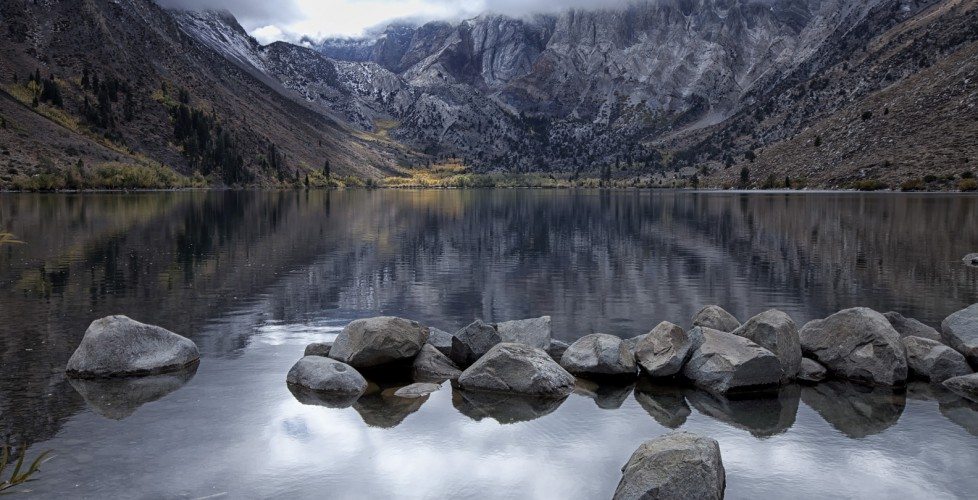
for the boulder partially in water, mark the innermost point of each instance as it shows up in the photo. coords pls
(811, 371)
(325, 375)
(117, 346)
(534, 332)
(599, 354)
(909, 327)
(725, 363)
(664, 350)
(858, 344)
(934, 361)
(716, 318)
(366, 343)
(417, 390)
(517, 368)
(680, 465)
(776, 332)
(472, 342)
(318, 349)
(960, 331)
(433, 366)
(965, 386)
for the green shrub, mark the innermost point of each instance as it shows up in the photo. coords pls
(968, 185)
(913, 185)
(869, 185)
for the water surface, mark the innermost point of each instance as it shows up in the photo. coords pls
(254, 276)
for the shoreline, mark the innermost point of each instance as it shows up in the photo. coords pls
(481, 188)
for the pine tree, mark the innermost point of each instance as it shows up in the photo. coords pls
(85, 81)
(327, 171)
(744, 177)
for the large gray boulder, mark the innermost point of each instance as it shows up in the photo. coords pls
(960, 331)
(533, 332)
(318, 349)
(441, 340)
(517, 368)
(680, 465)
(726, 363)
(631, 343)
(371, 342)
(934, 361)
(716, 318)
(472, 342)
(909, 327)
(433, 366)
(117, 346)
(776, 332)
(664, 350)
(599, 354)
(326, 375)
(858, 344)
(811, 371)
(965, 385)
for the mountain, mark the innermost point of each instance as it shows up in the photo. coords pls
(823, 93)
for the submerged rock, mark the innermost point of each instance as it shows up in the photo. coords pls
(441, 340)
(934, 361)
(472, 342)
(533, 332)
(763, 414)
(327, 376)
(716, 318)
(965, 385)
(680, 465)
(504, 408)
(517, 368)
(599, 354)
(776, 332)
(811, 371)
(857, 344)
(854, 409)
(725, 363)
(433, 366)
(117, 346)
(416, 390)
(960, 331)
(664, 350)
(318, 349)
(557, 349)
(117, 398)
(370, 342)
(909, 327)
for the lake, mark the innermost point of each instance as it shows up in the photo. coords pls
(252, 277)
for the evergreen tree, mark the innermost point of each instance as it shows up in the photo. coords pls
(85, 81)
(129, 107)
(744, 177)
(327, 171)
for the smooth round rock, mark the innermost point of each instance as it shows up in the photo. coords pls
(321, 374)
(599, 354)
(519, 369)
(681, 465)
(960, 332)
(117, 346)
(416, 390)
(858, 344)
(370, 342)
(318, 349)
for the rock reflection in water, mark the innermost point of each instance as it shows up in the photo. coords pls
(118, 398)
(379, 407)
(663, 401)
(503, 408)
(317, 398)
(956, 409)
(606, 394)
(762, 414)
(855, 410)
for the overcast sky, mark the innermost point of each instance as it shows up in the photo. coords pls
(291, 19)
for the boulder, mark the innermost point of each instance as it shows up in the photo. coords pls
(776, 332)
(472, 342)
(934, 361)
(664, 350)
(433, 366)
(441, 340)
(517, 368)
(965, 385)
(909, 327)
(365, 343)
(716, 318)
(557, 349)
(726, 363)
(680, 465)
(416, 390)
(117, 346)
(318, 349)
(632, 343)
(599, 354)
(811, 371)
(858, 344)
(325, 375)
(971, 259)
(532, 332)
(960, 331)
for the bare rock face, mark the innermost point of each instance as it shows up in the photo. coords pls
(533, 332)
(960, 331)
(326, 375)
(675, 466)
(965, 385)
(858, 344)
(472, 342)
(909, 327)
(117, 346)
(776, 332)
(664, 351)
(716, 318)
(725, 363)
(934, 361)
(518, 369)
(318, 349)
(811, 371)
(599, 354)
(433, 366)
(366, 343)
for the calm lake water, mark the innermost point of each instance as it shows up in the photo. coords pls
(254, 276)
